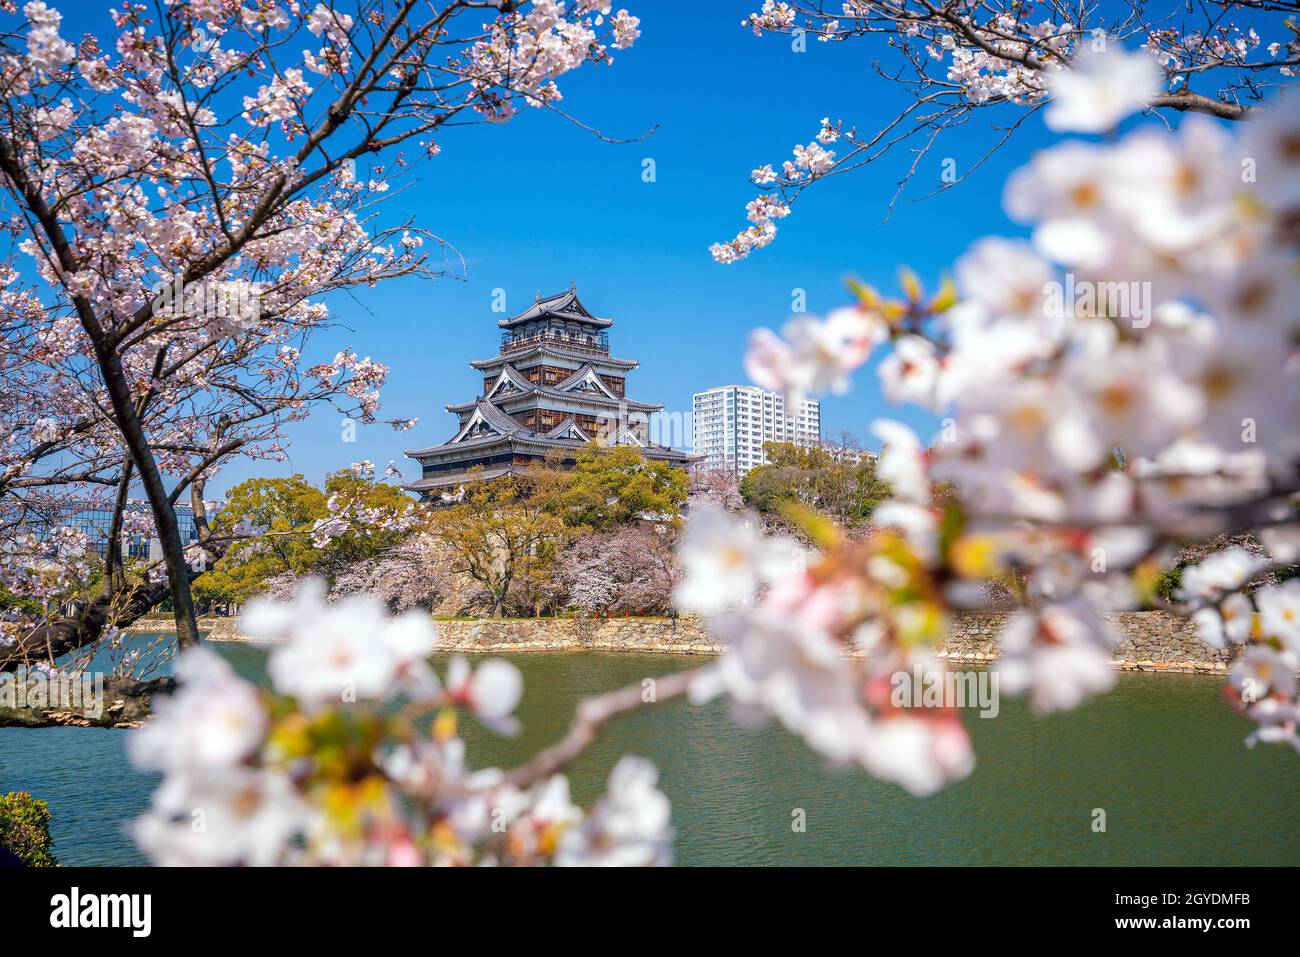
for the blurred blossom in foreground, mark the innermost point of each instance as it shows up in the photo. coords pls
(353, 758)
(1123, 385)
(1100, 89)
(727, 560)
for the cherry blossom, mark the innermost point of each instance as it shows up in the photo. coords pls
(922, 755)
(1269, 141)
(628, 827)
(1276, 723)
(213, 722)
(492, 691)
(1219, 574)
(300, 774)
(1233, 620)
(1261, 671)
(239, 817)
(1279, 613)
(727, 561)
(175, 258)
(1058, 654)
(902, 463)
(813, 355)
(347, 651)
(950, 62)
(911, 372)
(1122, 384)
(1100, 89)
(778, 665)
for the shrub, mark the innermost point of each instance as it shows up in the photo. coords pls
(25, 829)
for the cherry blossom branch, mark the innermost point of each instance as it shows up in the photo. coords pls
(591, 715)
(993, 56)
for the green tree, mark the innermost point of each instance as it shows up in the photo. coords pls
(283, 510)
(501, 531)
(606, 487)
(370, 537)
(845, 491)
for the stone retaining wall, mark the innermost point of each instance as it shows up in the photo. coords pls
(1148, 640)
(681, 636)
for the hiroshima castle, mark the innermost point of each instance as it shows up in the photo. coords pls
(553, 387)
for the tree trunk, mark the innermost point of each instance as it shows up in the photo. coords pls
(499, 599)
(120, 395)
(164, 515)
(114, 578)
(54, 639)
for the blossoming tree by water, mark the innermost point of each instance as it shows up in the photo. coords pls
(179, 196)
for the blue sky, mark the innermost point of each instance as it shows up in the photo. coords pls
(538, 202)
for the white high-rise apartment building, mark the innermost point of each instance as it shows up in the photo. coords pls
(731, 422)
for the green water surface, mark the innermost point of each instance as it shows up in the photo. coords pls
(1162, 755)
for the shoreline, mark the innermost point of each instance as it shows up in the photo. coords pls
(1148, 641)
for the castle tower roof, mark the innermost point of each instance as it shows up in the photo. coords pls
(564, 306)
(553, 387)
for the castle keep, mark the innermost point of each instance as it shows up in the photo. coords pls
(553, 386)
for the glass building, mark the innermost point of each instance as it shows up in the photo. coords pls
(95, 521)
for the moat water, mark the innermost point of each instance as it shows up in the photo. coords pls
(1162, 755)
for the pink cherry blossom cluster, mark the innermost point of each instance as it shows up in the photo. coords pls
(522, 53)
(200, 150)
(1123, 383)
(807, 164)
(348, 513)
